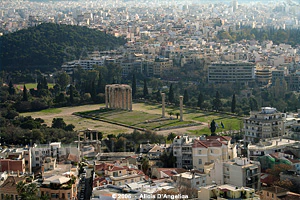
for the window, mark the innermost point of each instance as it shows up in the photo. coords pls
(36, 153)
(37, 158)
(267, 194)
(200, 161)
(199, 152)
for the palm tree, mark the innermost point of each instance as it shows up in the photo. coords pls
(27, 191)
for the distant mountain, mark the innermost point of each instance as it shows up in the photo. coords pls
(49, 45)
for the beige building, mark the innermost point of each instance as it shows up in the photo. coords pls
(278, 193)
(266, 123)
(211, 149)
(59, 187)
(227, 192)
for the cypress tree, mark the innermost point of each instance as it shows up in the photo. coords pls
(200, 100)
(145, 90)
(185, 97)
(171, 94)
(11, 89)
(45, 83)
(213, 127)
(25, 95)
(71, 94)
(233, 103)
(133, 86)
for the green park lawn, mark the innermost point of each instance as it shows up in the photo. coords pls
(140, 117)
(31, 85)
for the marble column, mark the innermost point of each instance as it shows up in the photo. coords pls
(106, 96)
(163, 96)
(130, 99)
(181, 107)
(123, 98)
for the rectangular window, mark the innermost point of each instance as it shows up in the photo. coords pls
(199, 152)
(200, 161)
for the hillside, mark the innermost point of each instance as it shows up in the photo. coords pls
(48, 45)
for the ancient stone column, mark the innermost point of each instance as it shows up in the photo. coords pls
(110, 97)
(91, 135)
(123, 97)
(181, 107)
(130, 99)
(163, 96)
(106, 96)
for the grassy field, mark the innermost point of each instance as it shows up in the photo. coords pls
(31, 85)
(141, 116)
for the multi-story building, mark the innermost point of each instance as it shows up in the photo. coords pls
(269, 146)
(267, 123)
(240, 172)
(182, 150)
(226, 192)
(263, 75)
(190, 180)
(16, 159)
(54, 150)
(242, 72)
(59, 187)
(211, 149)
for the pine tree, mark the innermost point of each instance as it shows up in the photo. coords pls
(200, 100)
(145, 91)
(25, 95)
(133, 86)
(171, 94)
(233, 104)
(185, 97)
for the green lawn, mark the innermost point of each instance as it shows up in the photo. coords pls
(31, 85)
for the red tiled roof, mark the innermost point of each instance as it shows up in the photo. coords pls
(207, 143)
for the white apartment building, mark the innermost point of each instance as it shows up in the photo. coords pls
(54, 150)
(190, 180)
(240, 172)
(266, 123)
(268, 147)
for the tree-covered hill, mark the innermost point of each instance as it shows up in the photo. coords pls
(49, 45)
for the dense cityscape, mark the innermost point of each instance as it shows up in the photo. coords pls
(149, 99)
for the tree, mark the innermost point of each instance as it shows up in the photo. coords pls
(171, 136)
(58, 123)
(233, 103)
(93, 91)
(213, 127)
(44, 83)
(101, 83)
(11, 89)
(25, 94)
(217, 102)
(200, 100)
(71, 94)
(63, 80)
(27, 191)
(253, 104)
(133, 86)
(145, 90)
(145, 165)
(185, 97)
(171, 94)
